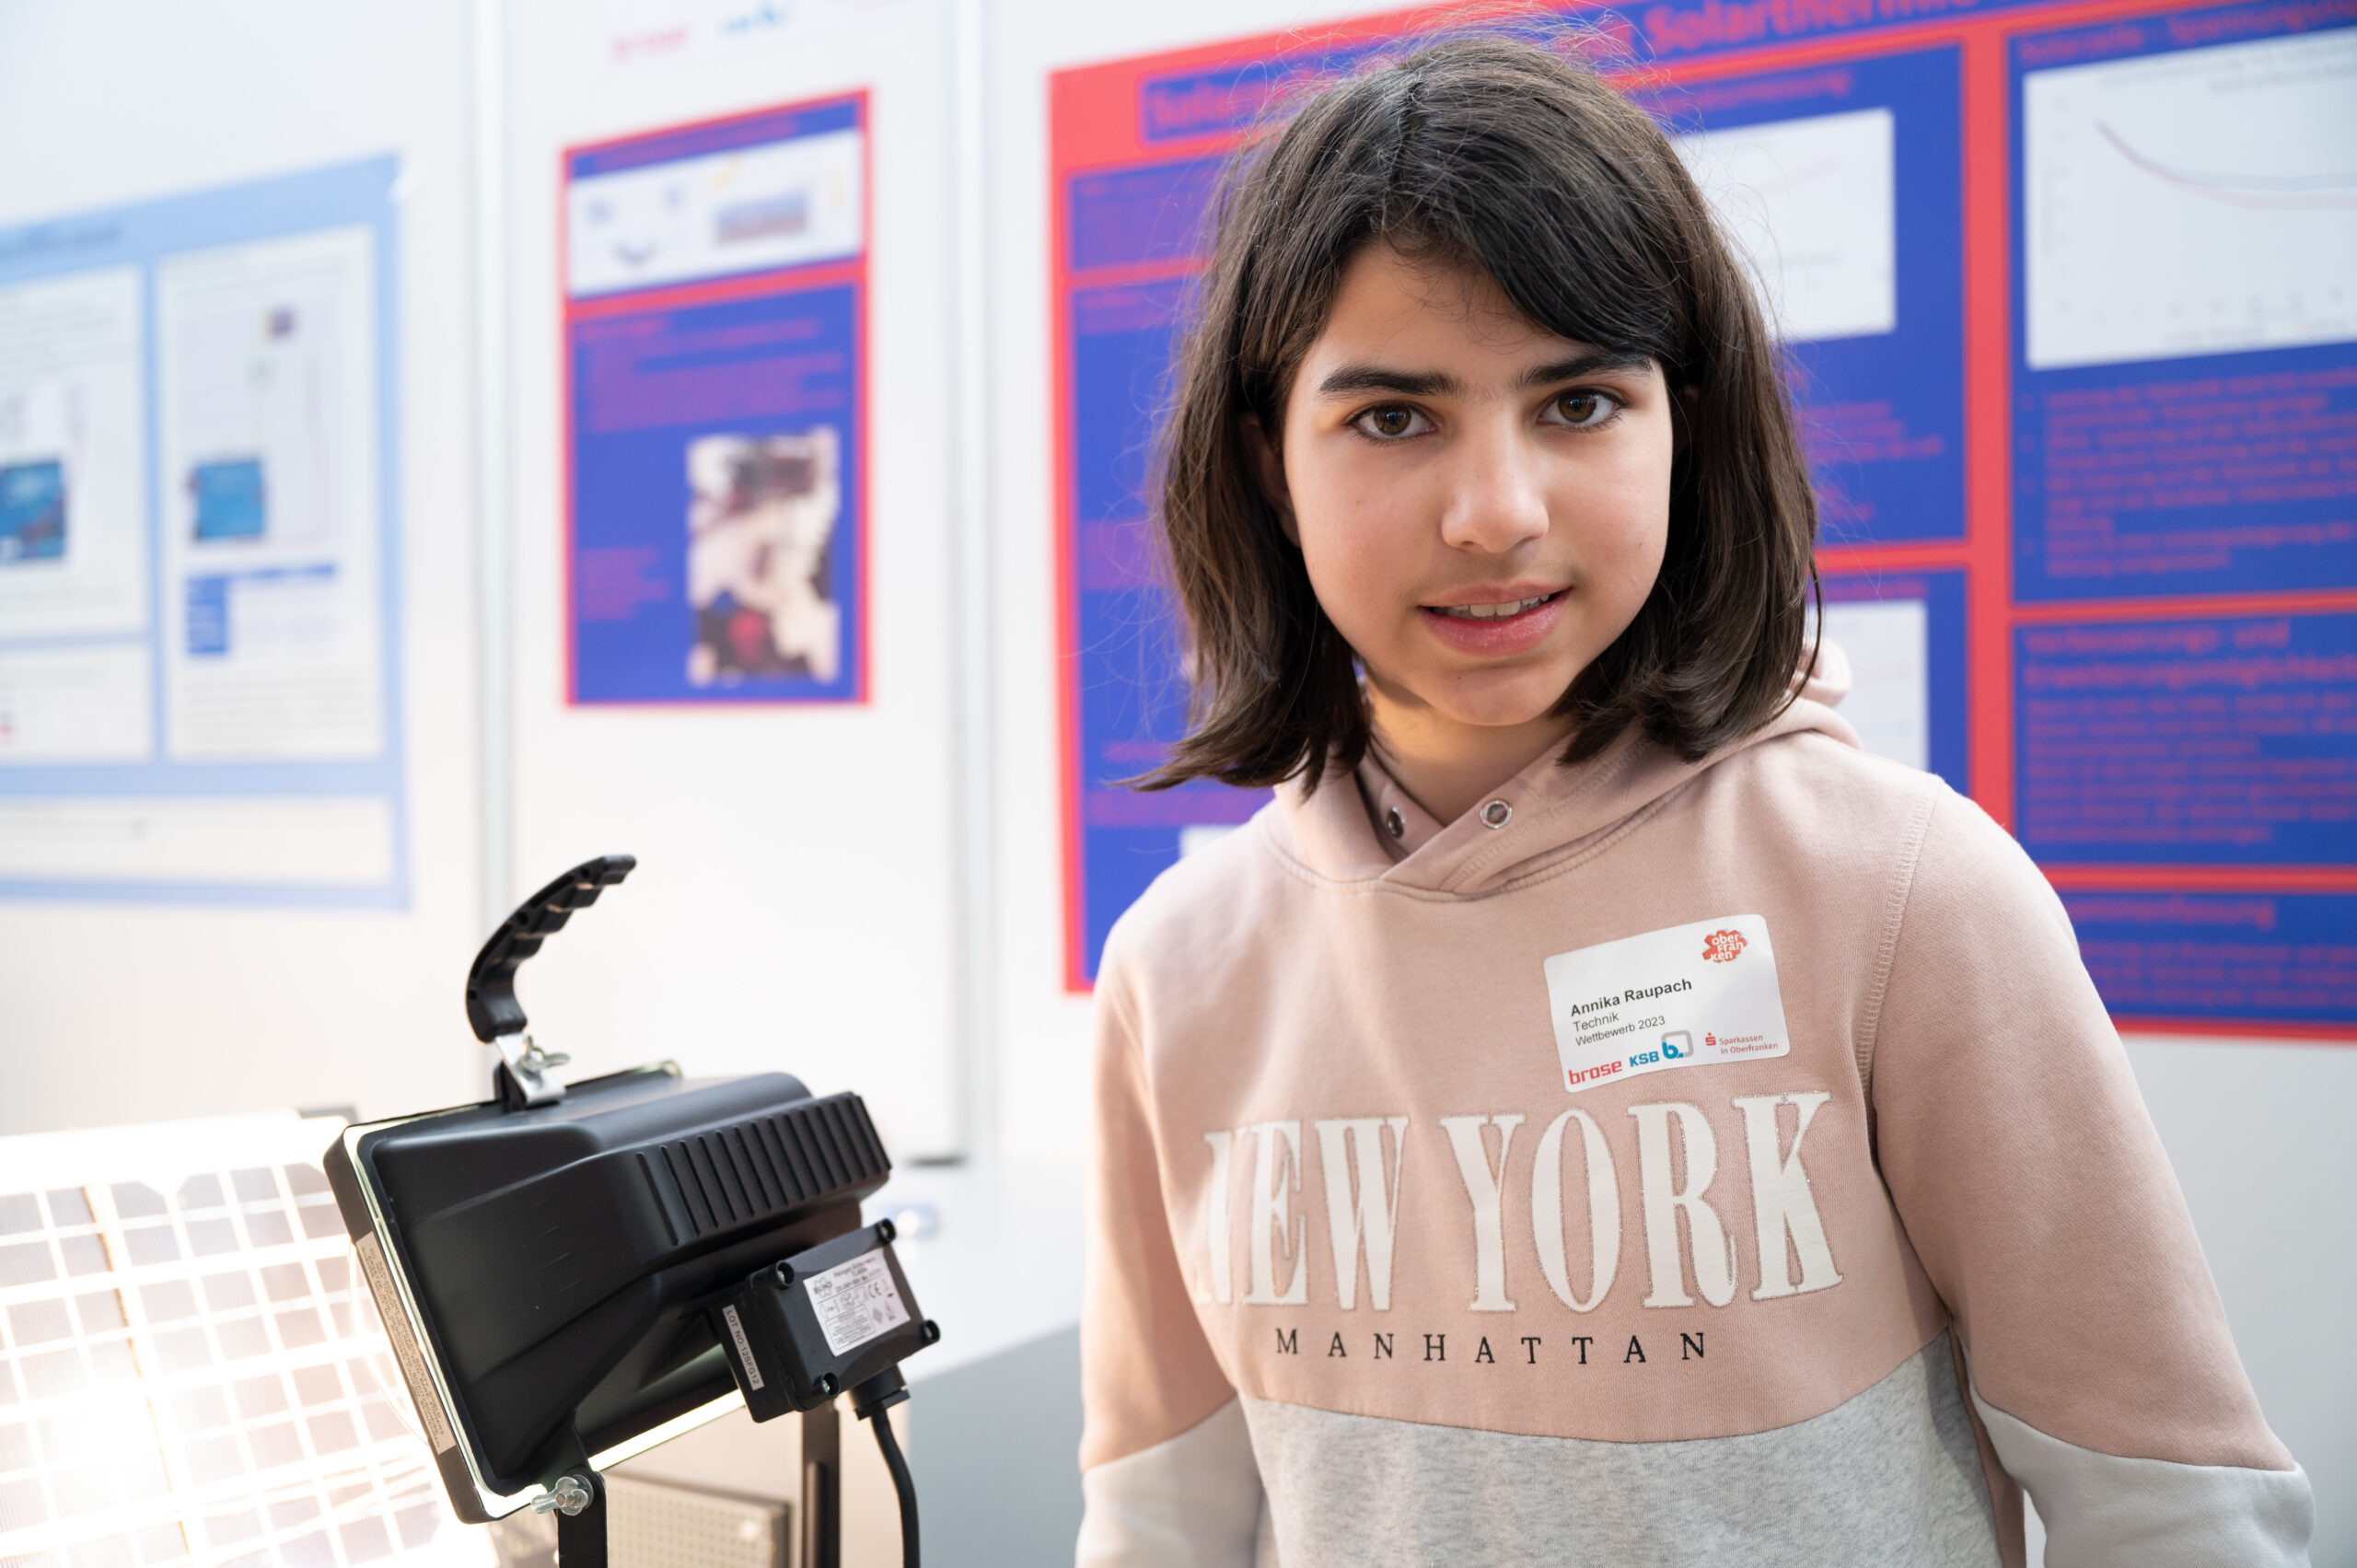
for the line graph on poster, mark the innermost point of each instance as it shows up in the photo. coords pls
(2198, 202)
(191, 1373)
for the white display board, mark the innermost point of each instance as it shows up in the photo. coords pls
(196, 547)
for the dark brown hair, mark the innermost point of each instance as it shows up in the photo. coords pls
(1481, 151)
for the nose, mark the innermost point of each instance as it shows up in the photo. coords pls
(1496, 500)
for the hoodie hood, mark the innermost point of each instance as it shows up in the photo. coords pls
(1342, 831)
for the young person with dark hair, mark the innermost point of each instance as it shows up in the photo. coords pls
(1596, 1114)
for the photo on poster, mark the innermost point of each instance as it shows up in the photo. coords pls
(761, 520)
(32, 511)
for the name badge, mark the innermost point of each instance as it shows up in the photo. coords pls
(1683, 997)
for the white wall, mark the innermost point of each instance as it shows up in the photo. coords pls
(122, 1012)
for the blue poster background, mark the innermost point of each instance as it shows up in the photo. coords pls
(646, 383)
(2289, 957)
(2206, 474)
(1131, 689)
(2218, 740)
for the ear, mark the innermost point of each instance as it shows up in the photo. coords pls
(1269, 471)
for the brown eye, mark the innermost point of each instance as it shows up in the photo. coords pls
(1390, 424)
(1580, 410)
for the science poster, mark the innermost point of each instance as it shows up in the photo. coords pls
(199, 588)
(2068, 300)
(716, 345)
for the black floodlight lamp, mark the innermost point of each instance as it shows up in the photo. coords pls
(571, 1275)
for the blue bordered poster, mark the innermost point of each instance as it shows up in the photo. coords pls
(716, 345)
(200, 605)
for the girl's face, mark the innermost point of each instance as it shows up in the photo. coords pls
(1482, 505)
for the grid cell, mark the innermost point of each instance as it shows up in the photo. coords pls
(275, 1444)
(268, 1227)
(161, 1543)
(107, 1552)
(227, 1293)
(184, 1350)
(151, 1245)
(259, 1397)
(100, 1310)
(242, 1339)
(86, 1255)
(366, 1540)
(137, 1201)
(316, 1386)
(53, 1375)
(168, 1301)
(26, 1263)
(39, 1322)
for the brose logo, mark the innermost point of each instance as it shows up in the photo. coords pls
(1720, 946)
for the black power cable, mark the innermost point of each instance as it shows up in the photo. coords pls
(869, 1401)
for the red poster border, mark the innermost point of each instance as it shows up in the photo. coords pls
(1095, 106)
(780, 280)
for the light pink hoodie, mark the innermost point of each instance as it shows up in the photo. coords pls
(1411, 1245)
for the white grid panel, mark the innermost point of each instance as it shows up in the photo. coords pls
(191, 1373)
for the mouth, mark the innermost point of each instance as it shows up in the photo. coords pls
(1506, 610)
(1500, 627)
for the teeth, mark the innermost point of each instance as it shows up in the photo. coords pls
(1493, 611)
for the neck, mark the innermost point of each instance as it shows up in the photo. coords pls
(1448, 766)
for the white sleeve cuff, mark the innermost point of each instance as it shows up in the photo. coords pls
(2102, 1511)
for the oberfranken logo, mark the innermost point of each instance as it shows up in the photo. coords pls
(1720, 946)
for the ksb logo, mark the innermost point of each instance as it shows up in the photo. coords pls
(1678, 1045)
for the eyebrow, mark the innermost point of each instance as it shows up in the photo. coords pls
(1352, 379)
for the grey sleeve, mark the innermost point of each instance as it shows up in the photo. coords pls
(2103, 1511)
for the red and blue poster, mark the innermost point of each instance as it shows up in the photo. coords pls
(716, 345)
(2068, 297)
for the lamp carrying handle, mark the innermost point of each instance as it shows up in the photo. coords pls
(492, 1008)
